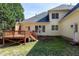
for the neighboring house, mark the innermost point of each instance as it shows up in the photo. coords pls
(61, 20)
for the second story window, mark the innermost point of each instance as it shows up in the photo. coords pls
(55, 15)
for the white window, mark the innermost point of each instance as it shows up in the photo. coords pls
(54, 27)
(55, 15)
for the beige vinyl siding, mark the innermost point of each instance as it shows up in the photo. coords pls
(65, 25)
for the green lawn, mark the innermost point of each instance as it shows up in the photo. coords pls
(55, 46)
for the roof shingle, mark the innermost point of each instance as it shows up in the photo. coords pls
(42, 17)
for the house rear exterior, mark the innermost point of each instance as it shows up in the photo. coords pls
(61, 20)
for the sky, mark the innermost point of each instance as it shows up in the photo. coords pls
(32, 9)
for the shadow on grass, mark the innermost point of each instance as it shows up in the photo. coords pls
(11, 44)
(7, 45)
(54, 46)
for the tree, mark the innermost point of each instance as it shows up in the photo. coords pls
(9, 12)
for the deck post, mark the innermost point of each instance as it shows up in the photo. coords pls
(3, 41)
(24, 40)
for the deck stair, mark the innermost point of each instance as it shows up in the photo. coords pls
(33, 35)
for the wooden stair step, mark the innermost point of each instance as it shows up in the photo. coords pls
(33, 37)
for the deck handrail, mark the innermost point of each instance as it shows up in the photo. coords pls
(5, 33)
(14, 34)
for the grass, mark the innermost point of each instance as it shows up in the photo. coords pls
(55, 46)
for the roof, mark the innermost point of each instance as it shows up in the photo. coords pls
(42, 17)
(74, 8)
(63, 7)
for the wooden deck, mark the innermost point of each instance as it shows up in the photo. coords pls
(20, 35)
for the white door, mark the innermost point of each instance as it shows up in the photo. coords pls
(40, 29)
